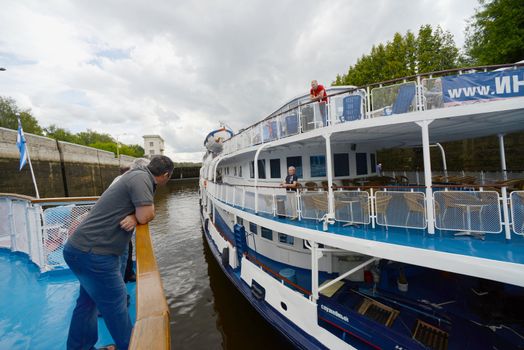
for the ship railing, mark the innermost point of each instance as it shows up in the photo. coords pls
(463, 208)
(455, 177)
(385, 99)
(151, 329)
(20, 227)
(517, 211)
(40, 228)
(352, 206)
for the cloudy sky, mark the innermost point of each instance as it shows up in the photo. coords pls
(177, 68)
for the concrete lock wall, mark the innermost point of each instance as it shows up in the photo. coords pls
(61, 168)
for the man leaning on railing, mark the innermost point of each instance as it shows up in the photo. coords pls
(94, 253)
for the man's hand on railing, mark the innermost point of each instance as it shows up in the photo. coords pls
(129, 222)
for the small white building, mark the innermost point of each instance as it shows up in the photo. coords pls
(153, 145)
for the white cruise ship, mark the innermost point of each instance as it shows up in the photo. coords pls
(355, 259)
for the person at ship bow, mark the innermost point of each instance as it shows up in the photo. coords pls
(318, 93)
(94, 253)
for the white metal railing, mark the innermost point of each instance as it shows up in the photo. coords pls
(314, 204)
(467, 211)
(415, 93)
(20, 228)
(39, 230)
(400, 209)
(352, 206)
(517, 212)
(59, 223)
(287, 204)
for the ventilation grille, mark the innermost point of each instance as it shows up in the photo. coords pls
(431, 336)
(378, 312)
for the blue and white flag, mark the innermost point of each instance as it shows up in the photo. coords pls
(20, 143)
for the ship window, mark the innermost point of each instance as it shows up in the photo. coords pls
(235, 171)
(297, 163)
(318, 166)
(261, 168)
(362, 163)
(373, 162)
(252, 169)
(253, 228)
(240, 221)
(240, 171)
(266, 233)
(282, 238)
(341, 162)
(274, 165)
(151, 143)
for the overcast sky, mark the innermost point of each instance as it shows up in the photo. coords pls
(177, 68)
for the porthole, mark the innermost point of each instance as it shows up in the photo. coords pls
(283, 306)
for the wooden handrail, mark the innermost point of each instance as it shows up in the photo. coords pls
(17, 196)
(65, 199)
(151, 329)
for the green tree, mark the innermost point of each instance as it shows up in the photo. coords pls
(60, 134)
(495, 33)
(431, 50)
(9, 112)
(90, 137)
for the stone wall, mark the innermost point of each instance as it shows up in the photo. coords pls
(61, 168)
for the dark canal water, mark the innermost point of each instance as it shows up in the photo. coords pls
(207, 312)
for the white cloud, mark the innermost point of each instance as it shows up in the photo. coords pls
(178, 68)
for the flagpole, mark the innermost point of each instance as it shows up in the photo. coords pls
(32, 172)
(21, 143)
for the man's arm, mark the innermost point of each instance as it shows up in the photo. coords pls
(145, 213)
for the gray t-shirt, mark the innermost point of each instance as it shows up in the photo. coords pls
(100, 233)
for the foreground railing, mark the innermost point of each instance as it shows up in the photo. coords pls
(466, 208)
(151, 330)
(420, 92)
(40, 229)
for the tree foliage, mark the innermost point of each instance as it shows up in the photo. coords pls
(8, 119)
(9, 112)
(495, 34)
(429, 50)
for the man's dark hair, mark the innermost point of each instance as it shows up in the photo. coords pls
(160, 165)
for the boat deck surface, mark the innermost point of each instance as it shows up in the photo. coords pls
(35, 309)
(493, 247)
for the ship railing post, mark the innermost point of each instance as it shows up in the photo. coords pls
(11, 217)
(28, 231)
(420, 95)
(504, 189)
(299, 113)
(298, 204)
(314, 271)
(424, 125)
(372, 205)
(329, 167)
(368, 102)
(273, 203)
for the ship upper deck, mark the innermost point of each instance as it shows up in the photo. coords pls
(464, 103)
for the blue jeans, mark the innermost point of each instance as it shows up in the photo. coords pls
(102, 287)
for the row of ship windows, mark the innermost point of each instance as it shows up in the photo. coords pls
(268, 234)
(317, 166)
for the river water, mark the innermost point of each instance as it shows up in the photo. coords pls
(207, 312)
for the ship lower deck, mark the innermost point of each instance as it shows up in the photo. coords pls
(36, 308)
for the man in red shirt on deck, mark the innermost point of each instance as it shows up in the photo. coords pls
(318, 93)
